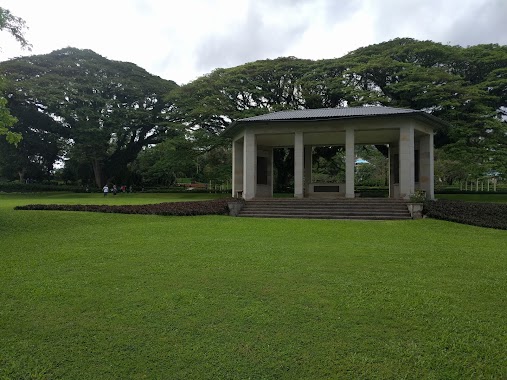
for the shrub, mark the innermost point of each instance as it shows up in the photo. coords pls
(492, 215)
(212, 207)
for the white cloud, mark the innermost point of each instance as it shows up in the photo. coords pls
(181, 40)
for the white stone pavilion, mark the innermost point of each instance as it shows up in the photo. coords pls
(408, 135)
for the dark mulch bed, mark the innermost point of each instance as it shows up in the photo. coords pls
(211, 207)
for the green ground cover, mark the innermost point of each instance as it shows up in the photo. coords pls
(110, 296)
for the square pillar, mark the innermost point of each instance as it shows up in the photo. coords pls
(308, 168)
(426, 180)
(389, 170)
(249, 165)
(237, 167)
(407, 152)
(272, 171)
(394, 171)
(350, 161)
(298, 164)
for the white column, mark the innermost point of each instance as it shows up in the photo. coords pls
(308, 168)
(237, 167)
(427, 165)
(389, 170)
(234, 187)
(249, 165)
(298, 164)
(350, 160)
(407, 185)
(270, 172)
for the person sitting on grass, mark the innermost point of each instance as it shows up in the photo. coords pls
(105, 189)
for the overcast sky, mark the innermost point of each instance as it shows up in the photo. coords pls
(181, 40)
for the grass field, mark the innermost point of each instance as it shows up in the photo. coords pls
(110, 296)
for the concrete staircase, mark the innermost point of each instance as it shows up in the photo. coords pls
(340, 208)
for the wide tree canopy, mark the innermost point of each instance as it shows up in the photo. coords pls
(99, 114)
(465, 86)
(106, 111)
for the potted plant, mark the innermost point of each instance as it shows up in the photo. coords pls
(416, 204)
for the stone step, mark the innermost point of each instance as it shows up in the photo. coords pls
(323, 207)
(368, 209)
(337, 200)
(312, 204)
(337, 217)
(323, 211)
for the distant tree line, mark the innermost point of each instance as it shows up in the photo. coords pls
(98, 120)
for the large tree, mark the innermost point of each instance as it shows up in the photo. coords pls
(16, 26)
(465, 86)
(108, 110)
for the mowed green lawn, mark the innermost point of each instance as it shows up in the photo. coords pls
(110, 296)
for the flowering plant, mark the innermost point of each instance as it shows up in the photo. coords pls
(418, 197)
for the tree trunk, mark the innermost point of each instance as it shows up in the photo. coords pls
(21, 174)
(97, 172)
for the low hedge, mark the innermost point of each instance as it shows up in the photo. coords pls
(16, 187)
(482, 214)
(458, 191)
(372, 193)
(211, 207)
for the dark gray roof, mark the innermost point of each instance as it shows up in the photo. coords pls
(332, 114)
(325, 113)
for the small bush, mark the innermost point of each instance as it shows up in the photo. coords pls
(212, 207)
(492, 215)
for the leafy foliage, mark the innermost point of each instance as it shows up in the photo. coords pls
(42, 145)
(163, 163)
(15, 26)
(107, 111)
(492, 215)
(7, 121)
(465, 86)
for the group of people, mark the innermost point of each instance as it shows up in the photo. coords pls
(114, 189)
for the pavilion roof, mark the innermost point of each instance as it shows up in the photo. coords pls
(322, 114)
